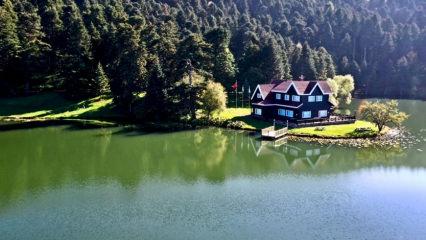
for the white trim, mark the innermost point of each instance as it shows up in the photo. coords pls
(254, 93)
(277, 105)
(297, 91)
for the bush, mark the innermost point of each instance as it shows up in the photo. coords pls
(235, 124)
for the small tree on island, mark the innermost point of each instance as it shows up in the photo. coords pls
(213, 98)
(382, 114)
(342, 88)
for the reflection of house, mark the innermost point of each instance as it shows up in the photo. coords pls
(294, 156)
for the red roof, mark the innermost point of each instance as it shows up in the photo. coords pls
(302, 87)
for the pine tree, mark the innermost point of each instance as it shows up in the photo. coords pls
(76, 54)
(33, 48)
(307, 63)
(156, 101)
(9, 45)
(224, 69)
(101, 85)
(128, 68)
(273, 67)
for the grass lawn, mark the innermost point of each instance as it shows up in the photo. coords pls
(339, 131)
(243, 115)
(55, 106)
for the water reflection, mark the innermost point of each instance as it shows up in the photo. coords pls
(32, 160)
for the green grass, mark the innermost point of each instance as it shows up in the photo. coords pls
(339, 131)
(243, 115)
(52, 106)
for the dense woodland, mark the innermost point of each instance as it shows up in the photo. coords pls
(166, 48)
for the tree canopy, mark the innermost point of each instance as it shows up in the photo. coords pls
(58, 44)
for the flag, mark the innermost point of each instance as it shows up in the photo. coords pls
(235, 86)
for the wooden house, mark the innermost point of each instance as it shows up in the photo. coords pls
(292, 100)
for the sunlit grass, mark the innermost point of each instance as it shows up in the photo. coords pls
(54, 106)
(243, 115)
(339, 131)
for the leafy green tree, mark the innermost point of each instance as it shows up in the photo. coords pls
(383, 114)
(186, 93)
(342, 87)
(213, 98)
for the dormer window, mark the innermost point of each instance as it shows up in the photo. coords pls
(319, 98)
(311, 99)
(295, 98)
(259, 95)
(278, 96)
(287, 97)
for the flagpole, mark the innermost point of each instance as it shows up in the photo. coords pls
(236, 95)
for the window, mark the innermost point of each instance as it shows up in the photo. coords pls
(323, 113)
(259, 95)
(319, 98)
(311, 99)
(258, 111)
(306, 114)
(281, 112)
(278, 96)
(295, 98)
(289, 113)
(287, 97)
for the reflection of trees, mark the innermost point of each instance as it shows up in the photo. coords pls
(36, 159)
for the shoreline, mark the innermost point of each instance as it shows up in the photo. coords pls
(391, 138)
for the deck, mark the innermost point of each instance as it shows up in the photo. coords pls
(273, 134)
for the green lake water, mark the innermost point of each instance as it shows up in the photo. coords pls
(68, 183)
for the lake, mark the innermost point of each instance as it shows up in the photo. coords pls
(68, 183)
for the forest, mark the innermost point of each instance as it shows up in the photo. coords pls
(165, 49)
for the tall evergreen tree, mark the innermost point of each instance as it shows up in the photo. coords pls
(33, 48)
(307, 63)
(224, 69)
(76, 55)
(101, 83)
(128, 67)
(156, 101)
(9, 45)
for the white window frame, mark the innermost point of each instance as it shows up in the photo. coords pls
(289, 113)
(306, 114)
(259, 95)
(295, 98)
(322, 113)
(258, 111)
(287, 97)
(311, 99)
(319, 98)
(281, 112)
(278, 96)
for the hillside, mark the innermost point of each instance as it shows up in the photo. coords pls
(82, 46)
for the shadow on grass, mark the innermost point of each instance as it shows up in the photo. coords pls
(39, 102)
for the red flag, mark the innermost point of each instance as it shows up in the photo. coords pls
(235, 86)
